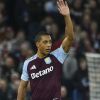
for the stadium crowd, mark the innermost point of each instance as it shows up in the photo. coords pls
(20, 20)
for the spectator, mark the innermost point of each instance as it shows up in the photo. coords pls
(3, 90)
(80, 81)
(70, 65)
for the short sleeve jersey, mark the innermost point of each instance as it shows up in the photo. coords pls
(45, 75)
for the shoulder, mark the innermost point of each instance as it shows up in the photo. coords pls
(26, 62)
(60, 54)
(25, 75)
(59, 51)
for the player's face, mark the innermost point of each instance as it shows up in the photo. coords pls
(44, 45)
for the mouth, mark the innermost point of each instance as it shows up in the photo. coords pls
(48, 50)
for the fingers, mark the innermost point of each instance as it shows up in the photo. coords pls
(60, 2)
(59, 9)
(59, 6)
(66, 4)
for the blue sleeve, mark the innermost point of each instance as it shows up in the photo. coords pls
(60, 54)
(25, 75)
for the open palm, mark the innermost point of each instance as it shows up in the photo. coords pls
(63, 7)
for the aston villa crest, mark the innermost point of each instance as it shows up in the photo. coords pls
(47, 60)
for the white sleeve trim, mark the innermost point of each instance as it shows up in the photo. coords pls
(25, 75)
(60, 54)
(63, 50)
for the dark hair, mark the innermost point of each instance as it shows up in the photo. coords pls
(38, 36)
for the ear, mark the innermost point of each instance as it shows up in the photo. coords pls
(37, 44)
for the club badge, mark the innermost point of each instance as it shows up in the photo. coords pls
(47, 60)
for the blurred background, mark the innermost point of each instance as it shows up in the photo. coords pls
(20, 20)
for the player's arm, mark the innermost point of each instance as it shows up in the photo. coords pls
(69, 34)
(22, 90)
(24, 81)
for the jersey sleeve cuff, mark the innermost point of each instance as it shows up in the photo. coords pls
(61, 48)
(24, 78)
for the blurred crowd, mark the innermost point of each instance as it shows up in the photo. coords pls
(21, 20)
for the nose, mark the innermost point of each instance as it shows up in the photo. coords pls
(49, 44)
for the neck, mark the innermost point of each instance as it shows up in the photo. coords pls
(40, 55)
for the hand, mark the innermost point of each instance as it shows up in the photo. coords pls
(63, 7)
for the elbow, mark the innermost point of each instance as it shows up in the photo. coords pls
(71, 37)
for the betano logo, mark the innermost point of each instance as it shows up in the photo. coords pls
(42, 73)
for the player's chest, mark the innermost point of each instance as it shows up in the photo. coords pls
(40, 64)
(41, 67)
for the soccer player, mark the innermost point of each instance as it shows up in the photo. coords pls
(43, 70)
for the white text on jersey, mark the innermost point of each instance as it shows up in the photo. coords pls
(42, 73)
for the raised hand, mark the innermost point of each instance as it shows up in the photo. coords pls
(63, 7)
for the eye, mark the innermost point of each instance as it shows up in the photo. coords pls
(50, 41)
(45, 42)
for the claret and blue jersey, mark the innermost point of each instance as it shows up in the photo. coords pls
(45, 75)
